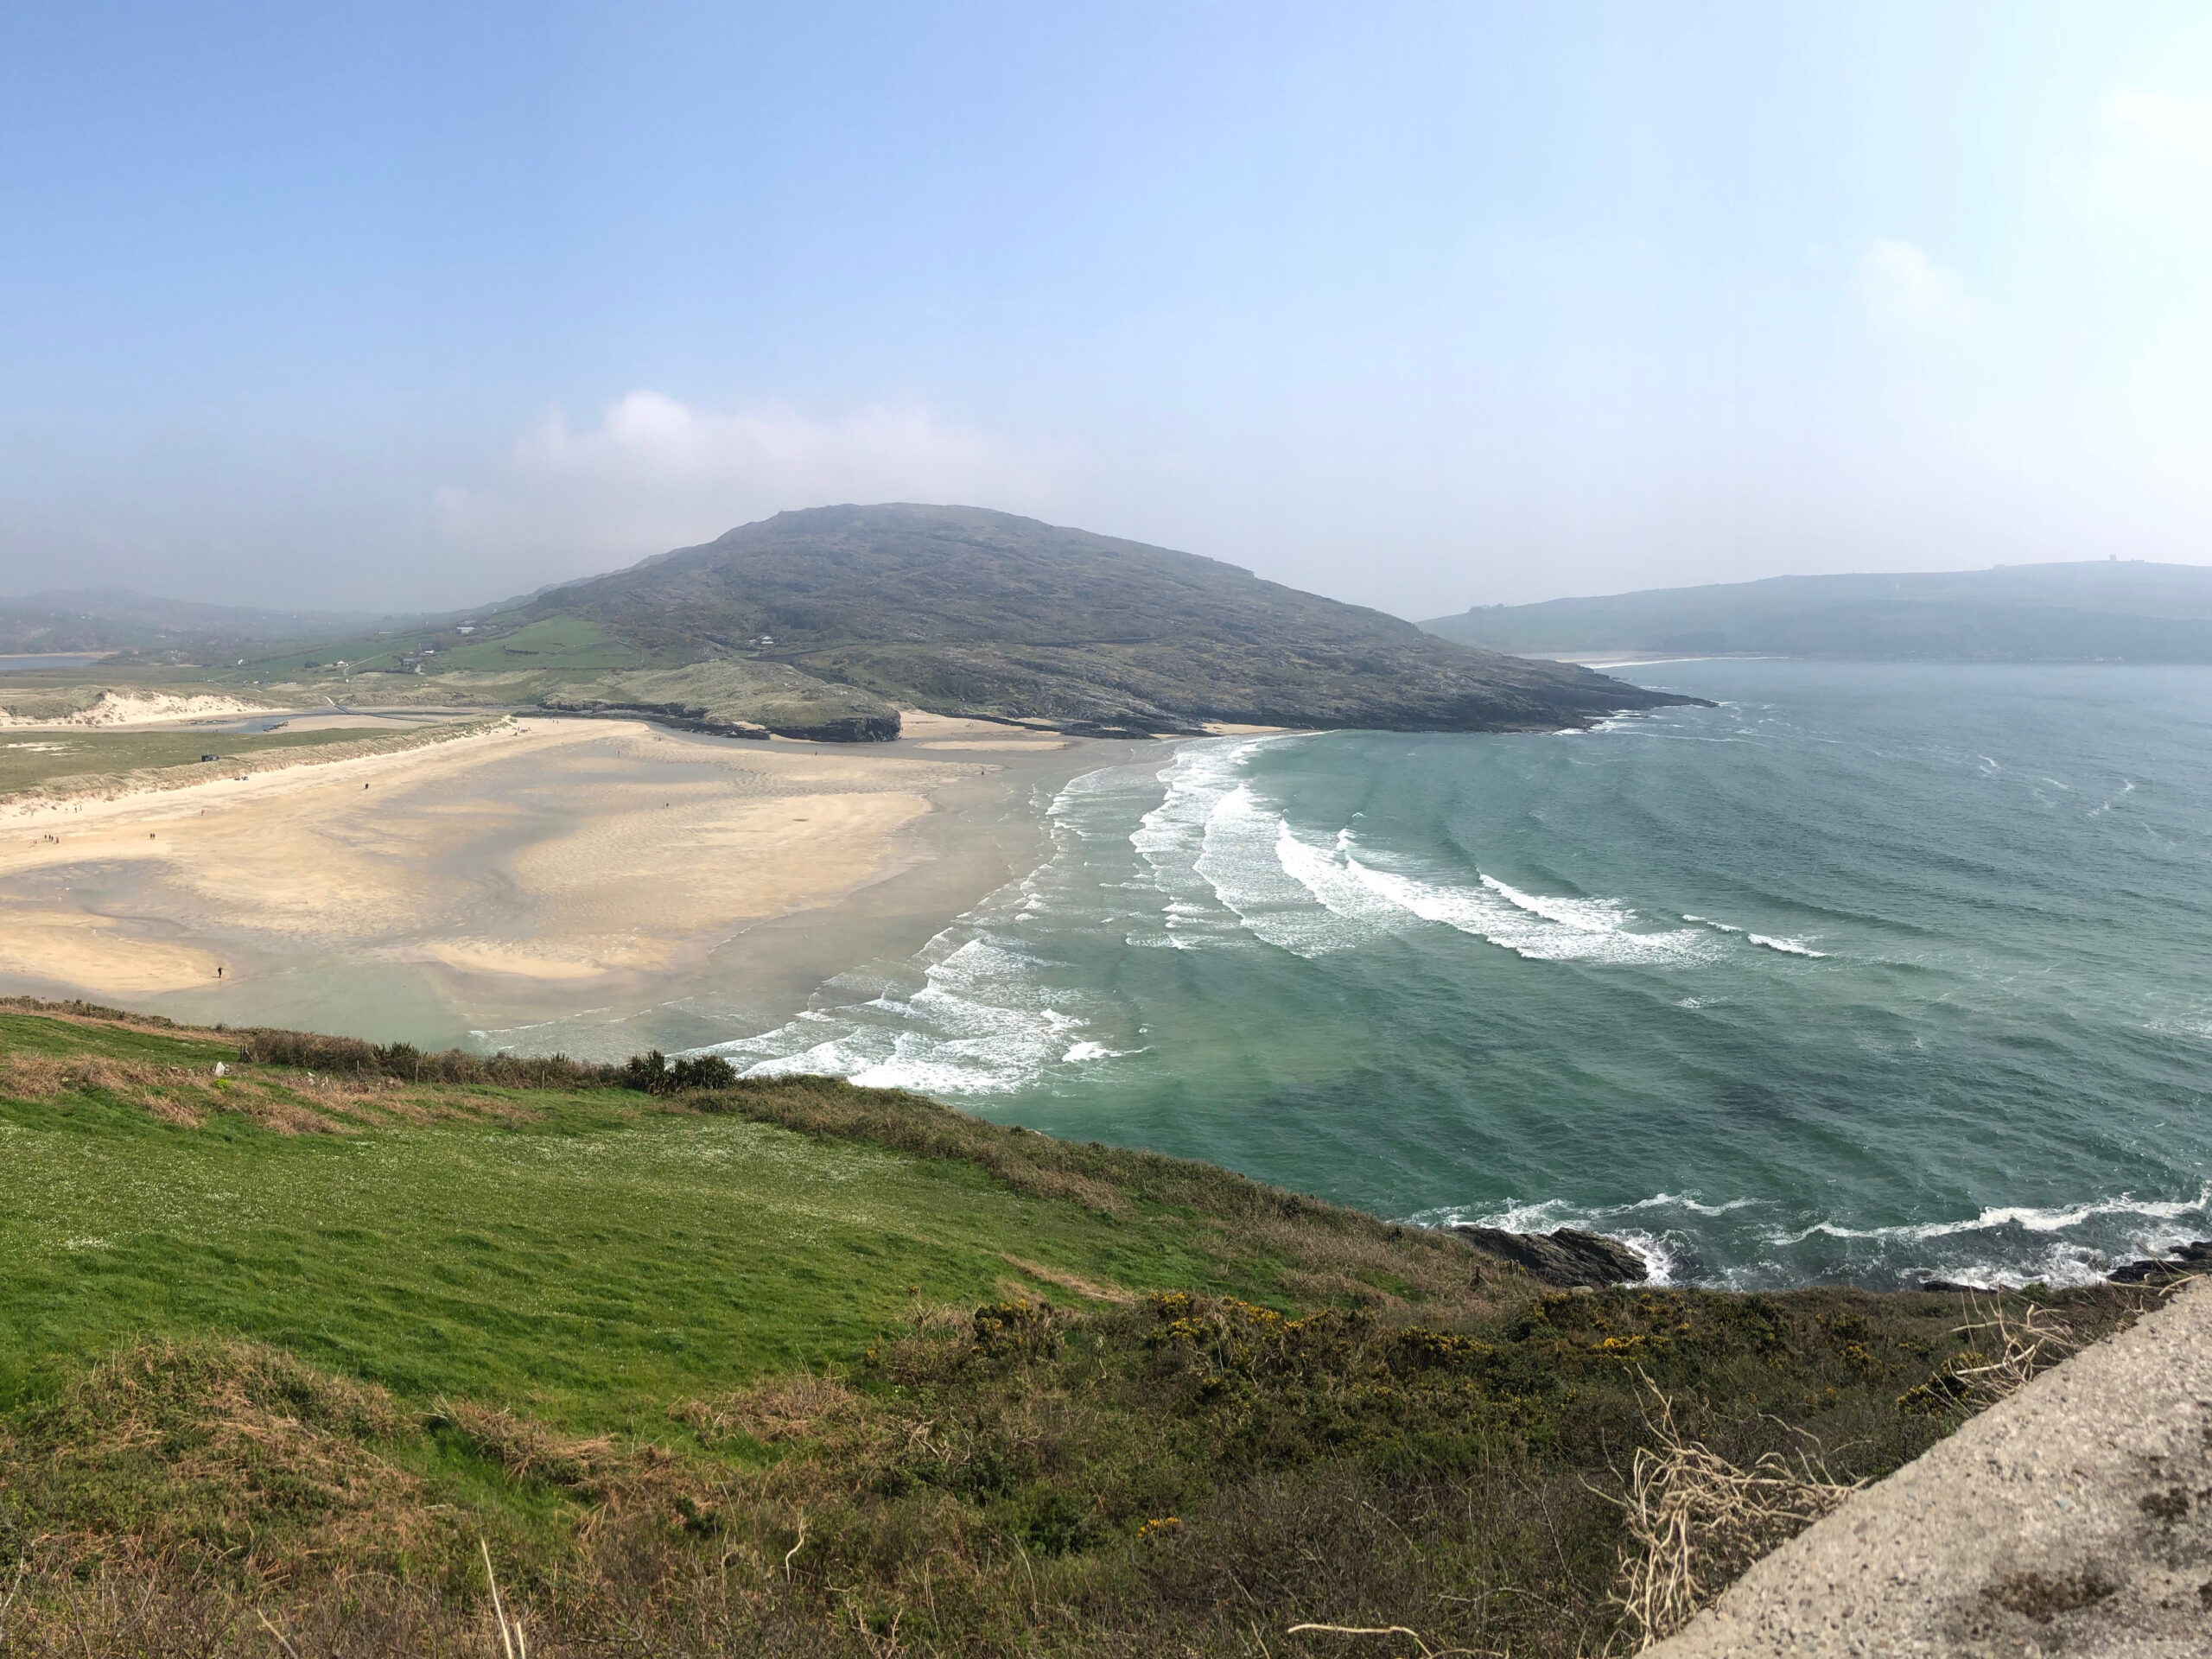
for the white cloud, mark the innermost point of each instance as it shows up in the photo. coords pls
(1901, 287)
(656, 474)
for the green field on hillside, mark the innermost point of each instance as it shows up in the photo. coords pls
(287, 1352)
(559, 643)
(567, 643)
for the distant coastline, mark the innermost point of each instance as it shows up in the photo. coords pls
(2107, 610)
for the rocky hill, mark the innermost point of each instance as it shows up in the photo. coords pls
(965, 611)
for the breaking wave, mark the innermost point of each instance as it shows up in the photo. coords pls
(1754, 1247)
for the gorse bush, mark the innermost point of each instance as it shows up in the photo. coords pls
(350, 1056)
(654, 1073)
(651, 1073)
(1186, 1474)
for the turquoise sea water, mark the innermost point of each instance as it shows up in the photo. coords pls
(1870, 972)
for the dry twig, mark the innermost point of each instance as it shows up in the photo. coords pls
(1695, 1521)
(512, 1644)
(2024, 1348)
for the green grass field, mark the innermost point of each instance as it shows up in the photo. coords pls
(569, 644)
(560, 644)
(587, 1265)
(800, 1368)
(28, 758)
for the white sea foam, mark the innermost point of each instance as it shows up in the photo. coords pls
(1215, 844)
(1328, 875)
(1173, 837)
(1226, 859)
(1682, 1201)
(1788, 947)
(1770, 941)
(985, 1008)
(982, 1021)
(2065, 1245)
(1661, 1255)
(1584, 915)
(1246, 857)
(1663, 1251)
(2027, 1217)
(1542, 927)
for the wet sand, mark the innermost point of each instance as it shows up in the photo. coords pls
(594, 885)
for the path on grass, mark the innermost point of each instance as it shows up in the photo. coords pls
(2073, 1518)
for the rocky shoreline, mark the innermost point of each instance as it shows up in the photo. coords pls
(1573, 1259)
(1569, 1258)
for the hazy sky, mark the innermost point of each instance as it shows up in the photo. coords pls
(415, 306)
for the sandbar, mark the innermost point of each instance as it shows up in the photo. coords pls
(592, 884)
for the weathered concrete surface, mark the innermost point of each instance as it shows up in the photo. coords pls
(2073, 1518)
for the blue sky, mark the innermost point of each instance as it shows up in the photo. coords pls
(1419, 306)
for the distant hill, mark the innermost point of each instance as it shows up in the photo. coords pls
(966, 611)
(2095, 612)
(116, 619)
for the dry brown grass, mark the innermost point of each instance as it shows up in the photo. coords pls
(2007, 1350)
(1695, 1521)
(213, 1449)
(186, 1095)
(777, 1410)
(618, 1485)
(78, 1012)
(1090, 1288)
(2018, 1346)
(284, 1102)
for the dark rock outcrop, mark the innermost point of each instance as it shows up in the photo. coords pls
(2196, 1256)
(1568, 1257)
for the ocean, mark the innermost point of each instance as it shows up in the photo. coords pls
(1867, 974)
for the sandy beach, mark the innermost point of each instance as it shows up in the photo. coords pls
(605, 883)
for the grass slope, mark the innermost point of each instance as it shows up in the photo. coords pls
(569, 663)
(28, 759)
(57, 780)
(800, 1368)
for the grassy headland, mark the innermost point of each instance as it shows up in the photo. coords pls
(792, 1367)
